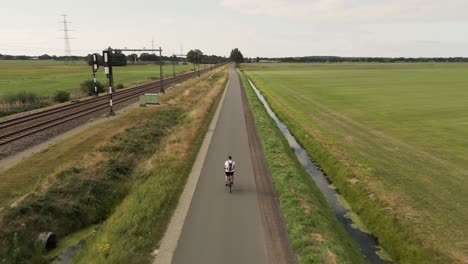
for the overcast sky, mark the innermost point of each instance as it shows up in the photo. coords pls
(265, 28)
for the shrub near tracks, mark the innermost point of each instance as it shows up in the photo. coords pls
(314, 232)
(20, 102)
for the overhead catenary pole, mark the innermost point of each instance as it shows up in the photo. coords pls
(173, 65)
(198, 64)
(175, 57)
(161, 89)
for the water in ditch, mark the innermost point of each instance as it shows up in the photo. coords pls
(68, 255)
(367, 244)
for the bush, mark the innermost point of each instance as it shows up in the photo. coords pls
(87, 87)
(120, 86)
(61, 96)
(20, 102)
(22, 97)
(117, 169)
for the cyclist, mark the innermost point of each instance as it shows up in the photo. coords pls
(229, 168)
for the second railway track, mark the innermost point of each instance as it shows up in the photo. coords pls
(27, 125)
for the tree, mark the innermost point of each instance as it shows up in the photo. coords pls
(87, 87)
(195, 56)
(148, 57)
(236, 56)
(119, 59)
(61, 96)
(132, 57)
(89, 59)
(45, 57)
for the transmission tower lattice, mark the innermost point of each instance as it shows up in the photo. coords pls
(66, 37)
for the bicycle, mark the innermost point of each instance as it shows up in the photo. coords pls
(230, 181)
(229, 167)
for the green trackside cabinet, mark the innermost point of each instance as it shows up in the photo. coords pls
(149, 98)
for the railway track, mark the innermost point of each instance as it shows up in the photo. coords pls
(27, 125)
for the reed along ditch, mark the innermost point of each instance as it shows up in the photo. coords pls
(367, 243)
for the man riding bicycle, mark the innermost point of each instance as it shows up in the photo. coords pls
(229, 168)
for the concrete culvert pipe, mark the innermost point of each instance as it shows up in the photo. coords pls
(47, 241)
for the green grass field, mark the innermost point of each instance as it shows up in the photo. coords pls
(46, 77)
(313, 230)
(397, 142)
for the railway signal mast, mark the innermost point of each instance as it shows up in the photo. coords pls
(95, 68)
(107, 56)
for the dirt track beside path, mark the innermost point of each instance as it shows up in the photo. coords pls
(276, 238)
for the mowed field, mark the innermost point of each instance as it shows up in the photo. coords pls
(402, 132)
(46, 77)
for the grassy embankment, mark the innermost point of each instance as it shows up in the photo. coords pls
(81, 181)
(393, 139)
(44, 78)
(137, 225)
(314, 232)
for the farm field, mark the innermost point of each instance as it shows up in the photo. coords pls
(397, 135)
(46, 77)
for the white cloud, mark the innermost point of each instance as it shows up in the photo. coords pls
(367, 11)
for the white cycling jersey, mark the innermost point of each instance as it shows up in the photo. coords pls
(229, 166)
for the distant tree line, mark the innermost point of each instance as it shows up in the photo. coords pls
(236, 56)
(336, 59)
(193, 56)
(41, 57)
(196, 56)
(120, 59)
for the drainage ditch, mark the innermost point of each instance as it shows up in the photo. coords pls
(367, 243)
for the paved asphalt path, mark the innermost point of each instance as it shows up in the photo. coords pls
(221, 227)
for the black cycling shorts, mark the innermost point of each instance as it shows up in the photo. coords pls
(229, 173)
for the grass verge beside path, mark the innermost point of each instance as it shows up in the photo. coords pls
(314, 232)
(139, 222)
